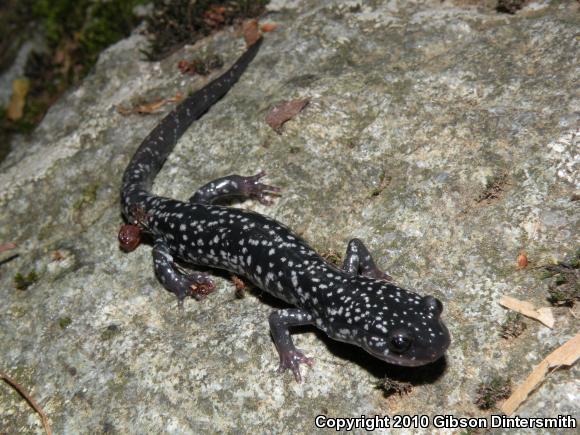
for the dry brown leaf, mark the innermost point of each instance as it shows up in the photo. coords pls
(566, 355)
(150, 107)
(284, 112)
(251, 32)
(214, 16)
(7, 246)
(543, 315)
(57, 256)
(522, 260)
(20, 88)
(268, 27)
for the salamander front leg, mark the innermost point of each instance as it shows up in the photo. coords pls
(234, 186)
(193, 284)
(358, 261)
(290, 357)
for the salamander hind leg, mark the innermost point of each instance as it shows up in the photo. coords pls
(290, 357)
(195, 284)
(358, 261)
(235, 186)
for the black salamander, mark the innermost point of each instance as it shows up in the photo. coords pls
(356, 304)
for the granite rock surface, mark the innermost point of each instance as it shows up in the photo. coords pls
(443, 134)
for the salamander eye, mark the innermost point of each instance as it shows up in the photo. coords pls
(400, 341)
(433, 304)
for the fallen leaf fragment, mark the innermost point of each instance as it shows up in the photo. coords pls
(185, 67)
(543, 315)
(241, 286)
(251, 32)
(268, 27)
(7, 246)
(284, 112)
(57, 256)
(522, 260)
(150, 107)
(5, 254)
(214, 16)
(564, 356)
(20, 88)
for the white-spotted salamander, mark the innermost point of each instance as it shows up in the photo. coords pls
(356, 304)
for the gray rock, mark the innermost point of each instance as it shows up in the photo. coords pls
(445, 136)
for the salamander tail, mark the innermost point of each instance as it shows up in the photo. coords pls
(151, 154)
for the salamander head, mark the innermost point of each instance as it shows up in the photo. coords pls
(394, 325)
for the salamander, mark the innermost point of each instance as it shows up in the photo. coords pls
(357, 303)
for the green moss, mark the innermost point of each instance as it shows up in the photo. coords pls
(45, 232)
(110, 332)
(546, 275)
(204, 65)
(22, 282)
(85, 27)
(332, 257)
(76, 32)
(110, 22)
(4, 135)
(64, 322)
(13, 19)
(88, 197)
(575, 262)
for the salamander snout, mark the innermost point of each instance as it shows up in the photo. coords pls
(410, 333)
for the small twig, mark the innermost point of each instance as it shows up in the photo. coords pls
(29, 399)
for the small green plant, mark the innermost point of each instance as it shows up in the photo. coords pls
(494, 188)
(110, 332)
(22, 282)
(513, 326)
(390, 386)
(564, 277)
(64, 322)
(203, 65)
(491, 392)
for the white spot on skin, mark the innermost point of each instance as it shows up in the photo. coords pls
(294, 281)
